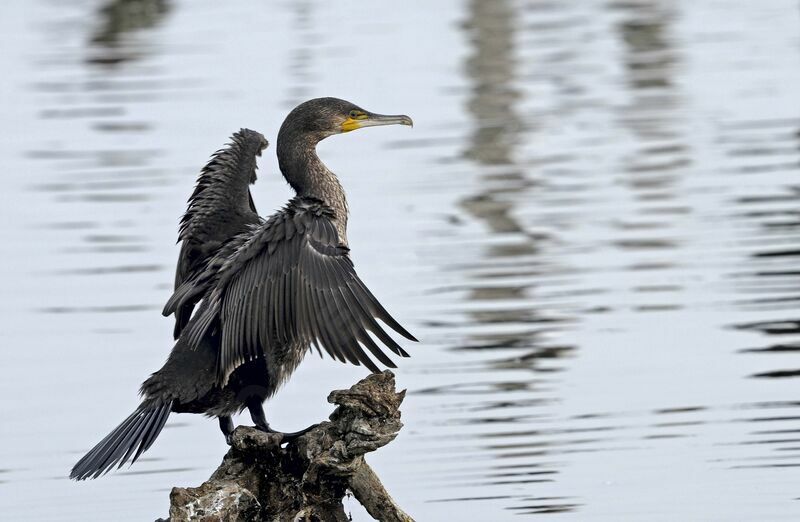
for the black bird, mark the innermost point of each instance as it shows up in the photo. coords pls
(220, 208)
(267, 295)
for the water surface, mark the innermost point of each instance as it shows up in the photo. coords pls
(593, 228)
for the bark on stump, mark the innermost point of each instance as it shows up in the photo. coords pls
(307, 479)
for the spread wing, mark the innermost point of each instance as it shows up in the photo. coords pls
(290, 282)
(220, 207)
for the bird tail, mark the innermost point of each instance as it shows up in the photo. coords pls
(135, 434)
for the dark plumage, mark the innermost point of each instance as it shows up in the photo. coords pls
(268, 294)
(220, 207)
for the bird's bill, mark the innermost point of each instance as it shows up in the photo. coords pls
(374, 120)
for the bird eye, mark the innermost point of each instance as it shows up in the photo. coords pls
(355, 114)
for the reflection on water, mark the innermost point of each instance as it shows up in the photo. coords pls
(769, 282)
(498, 290)
(658, 158)
(597, 224)
(116, 20)
(300, 73)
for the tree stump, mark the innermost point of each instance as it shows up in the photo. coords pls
(307, 479)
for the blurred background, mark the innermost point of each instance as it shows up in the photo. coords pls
(593, 228)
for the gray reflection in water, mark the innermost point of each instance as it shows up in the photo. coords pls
(301, 70)
(490, 67)
(762, 156)
(770, 279)
(118, 17)
(98, 178)
(498, 280)
(659, 156)
(91, 181)
(498, 128)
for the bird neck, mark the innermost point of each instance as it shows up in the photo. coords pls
(309, 177)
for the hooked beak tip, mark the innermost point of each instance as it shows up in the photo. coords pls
(386, 119)
(374, 120)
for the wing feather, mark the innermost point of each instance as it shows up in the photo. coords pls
(357, 326)
(219, 208)
(291, 283)
(342, 335)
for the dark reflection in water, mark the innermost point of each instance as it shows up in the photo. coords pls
(518, 290)
(115, 20)
(770, 283)
(498, 284)
(497, 128)
(659, 156)
(301, 73)
(111, 175)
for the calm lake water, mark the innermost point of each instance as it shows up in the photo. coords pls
(593, 228)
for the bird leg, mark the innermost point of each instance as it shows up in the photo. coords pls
(226, 425)
(256, 408)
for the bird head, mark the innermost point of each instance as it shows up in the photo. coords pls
(323, 117)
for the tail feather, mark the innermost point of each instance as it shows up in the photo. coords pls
(152, 432)
(136, 433)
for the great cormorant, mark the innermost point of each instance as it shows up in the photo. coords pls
(267, 295)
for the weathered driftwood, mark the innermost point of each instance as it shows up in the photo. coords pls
(307, 479)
